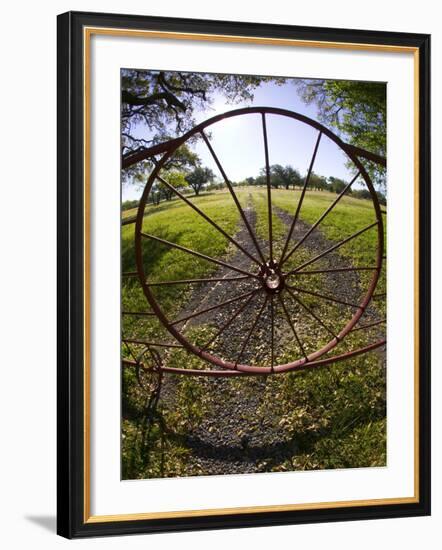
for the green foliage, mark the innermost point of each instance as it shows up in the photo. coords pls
(280, 176)
(336, 185)
(183, 159)
(317, 182)
(356, 109)
(129, 205)
(176, 179)
(198, 177)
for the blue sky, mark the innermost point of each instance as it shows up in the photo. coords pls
(238, 141)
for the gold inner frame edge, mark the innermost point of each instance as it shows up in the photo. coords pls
(87, 33)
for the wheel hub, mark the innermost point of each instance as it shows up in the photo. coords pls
(271, 278)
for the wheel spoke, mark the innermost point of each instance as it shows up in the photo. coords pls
(301, 303)
(292, 326)
(142, 313)
(272, 328)
(321, 218)
(334, 247)
(131, 353)
(191, 281)
(249, 334)
(323, 296)
(207, 218)
(336, 270)
(198, 254)
(269, 189)
(153, 344)
(230, 321)
(369, 325)
(217, 306)
(234, 197)
(301, 198)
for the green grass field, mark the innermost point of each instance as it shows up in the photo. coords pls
(334, 417)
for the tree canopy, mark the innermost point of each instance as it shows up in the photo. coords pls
(357, 110)
(198, 177)
(159, 105)
(284, 176)
(163, 103)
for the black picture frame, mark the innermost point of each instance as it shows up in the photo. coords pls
(71, 508)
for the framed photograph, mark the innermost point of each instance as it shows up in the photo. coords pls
(243, 224)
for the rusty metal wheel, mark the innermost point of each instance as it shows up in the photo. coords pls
(272, 270)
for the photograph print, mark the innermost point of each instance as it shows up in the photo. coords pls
(253, 274)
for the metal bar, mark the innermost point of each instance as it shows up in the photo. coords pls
(230, 321)
(235, 198)
(269, 187)
(367, 155)
(251, 330)
(147, 313)
(301, 303)
(153, 344)
(323, 296)
(315, 225)
(129, 220)
(191, 281)
(129, 349)
(272, 321)
(336, 270)
(133, 158)
(259, 371)
(208, 219)
(369, 325)
(211, 308)
(198, 254)
(292, 326)
(334, 247)
(130, 274)
(301, 198)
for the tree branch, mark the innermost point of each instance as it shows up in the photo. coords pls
(170, 99)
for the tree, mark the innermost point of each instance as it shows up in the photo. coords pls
(160, 105)
(274, 180)
(198, 177)
(182, 159)
(336, 185)
(279, 175)
(365, 194)
(128, 205)
(357, 110)
(176, 179)
(317, 182)
(287, 175)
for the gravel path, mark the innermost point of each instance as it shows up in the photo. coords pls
(236, 436)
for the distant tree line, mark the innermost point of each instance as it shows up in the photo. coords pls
(191, 179)
(194, 178)
(288, 177)
(128, 205)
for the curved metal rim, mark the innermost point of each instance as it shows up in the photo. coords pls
(311, 358)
